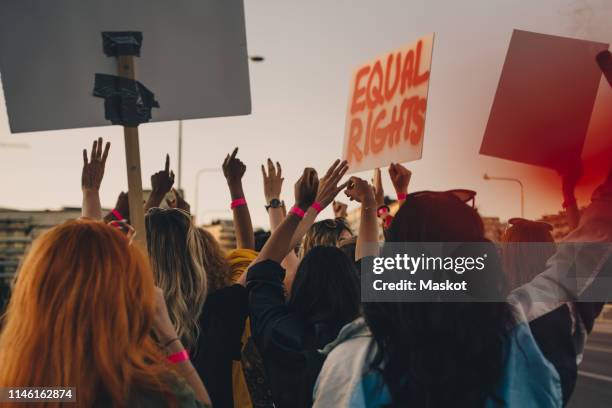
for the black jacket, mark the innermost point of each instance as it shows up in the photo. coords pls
(288, 343)
(219, 342)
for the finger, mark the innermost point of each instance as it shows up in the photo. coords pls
(263, 172)
(106, 150)
(342, 187)
(226, 161)
(85, 157)
(279, 171)
(271, 169)
(342, 165)
(99, 151)
(172, 176)
(341, 173)
(167, 166)
(331, 169)
(234, 153)
(93, 151)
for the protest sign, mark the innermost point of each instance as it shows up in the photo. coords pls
(386, 114)
(544, 100)
(194, 59)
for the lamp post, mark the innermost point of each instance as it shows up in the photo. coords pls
(252, 58)
(515, 180)
(197, 186)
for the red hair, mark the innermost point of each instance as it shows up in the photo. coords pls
(81, 315)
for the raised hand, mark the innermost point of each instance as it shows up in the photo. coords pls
(163, 180)
(340, 209)
(306, 188)
(328, 185)
(233, 168)
(93, 170)
(379, 193)
(178, 202)
(359, 190)
(400, 177)
(570, 177)
(272, 181)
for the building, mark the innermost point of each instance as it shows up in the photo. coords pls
(559, 223)
(223, 231)
(19, 228)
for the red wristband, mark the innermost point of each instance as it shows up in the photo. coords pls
(387, 221)
(238, 202)
(382, 210)
(178, 357)
(117, 214)
(401, 196)
(297, 211)
(318, 208)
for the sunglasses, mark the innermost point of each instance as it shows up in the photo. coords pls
(338, 225)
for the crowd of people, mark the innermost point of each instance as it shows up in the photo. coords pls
(279, 321)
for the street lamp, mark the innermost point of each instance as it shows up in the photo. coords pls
(515, 180)
(197, 185)
(252, 58)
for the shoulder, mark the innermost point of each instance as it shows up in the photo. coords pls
(340, 382)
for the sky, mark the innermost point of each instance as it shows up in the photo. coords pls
(300, 96)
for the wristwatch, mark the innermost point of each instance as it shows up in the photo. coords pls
(274, 203)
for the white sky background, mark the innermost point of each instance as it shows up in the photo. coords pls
(300, 96)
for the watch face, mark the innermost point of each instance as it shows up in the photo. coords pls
(275, 203)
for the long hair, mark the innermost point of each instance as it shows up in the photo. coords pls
(325, 292)
(218, 270)
(440, 354)
(175, 250)
(324, 233)
(527, 245)
(80, 316)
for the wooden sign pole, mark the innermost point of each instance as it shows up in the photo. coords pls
(125, 68)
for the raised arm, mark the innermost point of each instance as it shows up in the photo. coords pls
(121, 211)
(569, 181)
(174, 349)
(161, 183)
(327, 191)
(367, 240)
(91, 178)
(400, 177)
(233, 170)
(278, 244)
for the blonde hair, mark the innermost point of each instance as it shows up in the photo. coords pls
(323, 233)
(81, 315)
(218, 271)
(175, 250)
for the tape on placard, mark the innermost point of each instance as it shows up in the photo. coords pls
(120, 43)
(126, 102)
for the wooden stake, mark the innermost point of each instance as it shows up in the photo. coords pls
(125, 68)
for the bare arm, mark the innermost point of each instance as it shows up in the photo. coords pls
(367, 240)
(91, 179)
(166, 334)
(569, 181)
(233, 170)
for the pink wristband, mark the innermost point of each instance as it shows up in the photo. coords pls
(318, 208)
(297, 211)
(238, 202)
(178, 357)
(117, 214)
(401, 196)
